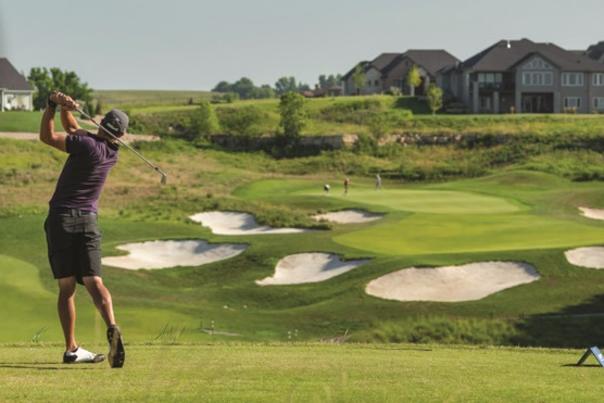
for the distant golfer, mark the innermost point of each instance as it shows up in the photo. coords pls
(346, 185)
(326, 188)
(378, 181)
(72, 234)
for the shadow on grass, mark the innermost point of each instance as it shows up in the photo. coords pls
(43, 366)
(576, 326)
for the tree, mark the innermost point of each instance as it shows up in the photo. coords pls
(286, 84)
(45, 81)
(242, 121)
(244, 87)
(435, 98)
(358, 78)
(264, 91)
(204, 121)
(414, 79)
(293, 114)
(330, 81)
(222, 86)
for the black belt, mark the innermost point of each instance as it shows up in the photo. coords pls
(71, 212)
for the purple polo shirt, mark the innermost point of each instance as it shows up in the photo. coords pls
(84, 173)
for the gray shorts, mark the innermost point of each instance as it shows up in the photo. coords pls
(74, 244)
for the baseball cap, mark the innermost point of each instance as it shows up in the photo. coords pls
(116, 122)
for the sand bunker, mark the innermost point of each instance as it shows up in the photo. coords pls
(348, 217)
(165, 254)
(309, 268)
(591, 258)
(233, 223)
(596, 214)
(453, 283)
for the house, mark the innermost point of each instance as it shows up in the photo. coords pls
(389, 70)
(372, 74)
(528, 77)
(15, 92)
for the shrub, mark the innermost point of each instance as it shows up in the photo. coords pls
(241, 121)
(203, 122)
(293, 115)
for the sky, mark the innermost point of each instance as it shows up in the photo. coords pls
(192, 45)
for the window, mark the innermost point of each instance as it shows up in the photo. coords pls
(572, 79)
(377, 83)
(598, 79)
(599, 103)
(537, 78)
(572, 102)
(490, 78)
(537, 64)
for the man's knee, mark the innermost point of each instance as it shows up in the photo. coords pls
(93, 282)
(67, 287)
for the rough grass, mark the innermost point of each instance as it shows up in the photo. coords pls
(302, 373)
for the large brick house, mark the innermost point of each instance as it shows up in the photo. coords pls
(15, 91)
(389, 70)
(528, 77)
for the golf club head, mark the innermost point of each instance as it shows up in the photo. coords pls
(164, 179)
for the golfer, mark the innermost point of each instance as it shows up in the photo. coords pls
(346, 185)
(72, 234)
(378, 181)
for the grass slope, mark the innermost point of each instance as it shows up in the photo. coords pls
(303, 373)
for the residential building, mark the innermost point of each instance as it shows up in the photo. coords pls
(528, 77)
(15, 92)
(389, 70)
(428, 62)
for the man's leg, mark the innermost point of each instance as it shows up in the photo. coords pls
(67, 311)
(101, 298)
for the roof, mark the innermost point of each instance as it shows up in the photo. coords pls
(432, 60)
(383, 60)
(504, 55)
(10, 78)
(363, 65)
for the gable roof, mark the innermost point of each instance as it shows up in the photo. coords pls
(504, 55)
(432, 60)
(10, 78)
(363, 65)
(383, 60)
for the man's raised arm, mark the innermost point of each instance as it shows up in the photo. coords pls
(47, 128)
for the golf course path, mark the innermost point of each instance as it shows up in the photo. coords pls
(128, 138)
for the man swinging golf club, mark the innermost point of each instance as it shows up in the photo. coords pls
(72, 234)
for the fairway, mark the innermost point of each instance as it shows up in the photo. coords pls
(303, 373)
(436, 234)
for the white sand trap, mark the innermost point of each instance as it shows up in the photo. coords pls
(348, 217)
(233, 223)
(591, 258)
(166, 254)
(309, 268)
(452, 283)
(596, 214)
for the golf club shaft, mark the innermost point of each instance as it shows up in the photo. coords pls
(152, 165)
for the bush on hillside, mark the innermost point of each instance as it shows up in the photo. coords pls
(357, 111)
(293, 115)
(241, 121)
(203, 122)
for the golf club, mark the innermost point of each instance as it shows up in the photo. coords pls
(164, 177)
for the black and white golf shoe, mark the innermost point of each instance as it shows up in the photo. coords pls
(117, 354)
(81, 356)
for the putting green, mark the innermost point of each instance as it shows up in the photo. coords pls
(438, 234)
(429, 201)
